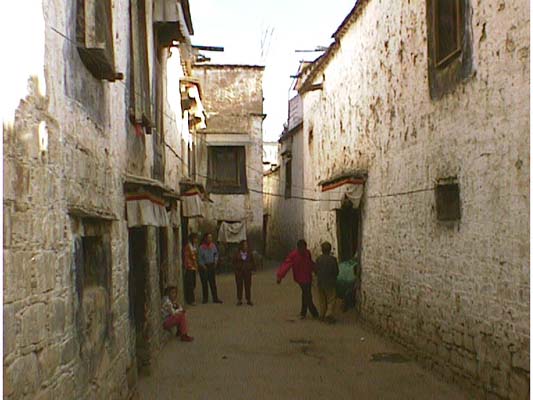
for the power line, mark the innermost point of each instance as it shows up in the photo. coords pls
(173, 151)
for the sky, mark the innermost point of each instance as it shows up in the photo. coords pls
(288, 25)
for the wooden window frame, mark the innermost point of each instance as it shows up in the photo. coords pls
(213, 186)
(140, 81)
(447, 73)
(94, 37)
(439, 63)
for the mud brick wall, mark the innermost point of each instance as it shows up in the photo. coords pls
(457, 292)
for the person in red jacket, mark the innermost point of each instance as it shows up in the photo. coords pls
(302, 268)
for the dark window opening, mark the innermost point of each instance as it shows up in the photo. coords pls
(140, 99)
(94, 34)
(448, 202)
(288, 179)
(227, 170)
(158, 171)
(449, 45)
(447, 26)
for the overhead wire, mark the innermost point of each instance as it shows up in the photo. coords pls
(174, 152)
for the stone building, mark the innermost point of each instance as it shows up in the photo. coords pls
(416, 141)
(229, 160)
(92, 166)
(284, 188)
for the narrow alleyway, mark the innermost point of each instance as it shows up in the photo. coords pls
(266, 352)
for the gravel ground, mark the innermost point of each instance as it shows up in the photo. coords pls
(266, 352)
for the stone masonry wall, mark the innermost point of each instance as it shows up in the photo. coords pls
(457, 293)
(286, 215)
(78, 175)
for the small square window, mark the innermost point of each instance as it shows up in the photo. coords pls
(448, 202)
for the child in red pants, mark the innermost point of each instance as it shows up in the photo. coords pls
(174, 314)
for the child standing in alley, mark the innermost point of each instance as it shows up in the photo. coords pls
(244, 265)
(326, 269)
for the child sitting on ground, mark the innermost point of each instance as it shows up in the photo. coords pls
(174, 314)
(326, 269)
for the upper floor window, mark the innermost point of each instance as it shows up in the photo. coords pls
(227, 170)
(94, 35)
(288, 178)
(447, 20)
(140, 98)
(449, 44)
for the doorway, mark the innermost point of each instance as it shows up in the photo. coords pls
(137, 278)
(348, 231)
(265, 233)
(349, 235)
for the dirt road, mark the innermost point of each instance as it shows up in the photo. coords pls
(266, 352)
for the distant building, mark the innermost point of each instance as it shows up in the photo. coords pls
(230, 160)
(270, 155)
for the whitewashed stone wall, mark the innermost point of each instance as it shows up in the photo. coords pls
(457, 293)
(81, 168)
(286, 214)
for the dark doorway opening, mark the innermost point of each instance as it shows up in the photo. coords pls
(265, 233)
(348, 229)
(162, 259)
(138, 263)
(349, 234)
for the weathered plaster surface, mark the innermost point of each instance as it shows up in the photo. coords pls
(82, 168)
(459, 292)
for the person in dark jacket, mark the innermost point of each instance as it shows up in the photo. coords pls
(326, 269)
(207, 261)
(244, 265)
(302, 265)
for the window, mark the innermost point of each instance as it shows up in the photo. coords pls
(94, 34)
(140, 101)
(158, 136)
(191, 160)
(92, 262)
(227, 170)
(449, 44)
(448, 201)
(288, 178)
(447, 21)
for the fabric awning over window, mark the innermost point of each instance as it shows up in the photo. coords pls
(334, 194)
(143, 209)
(232, 232)
(191, 203)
